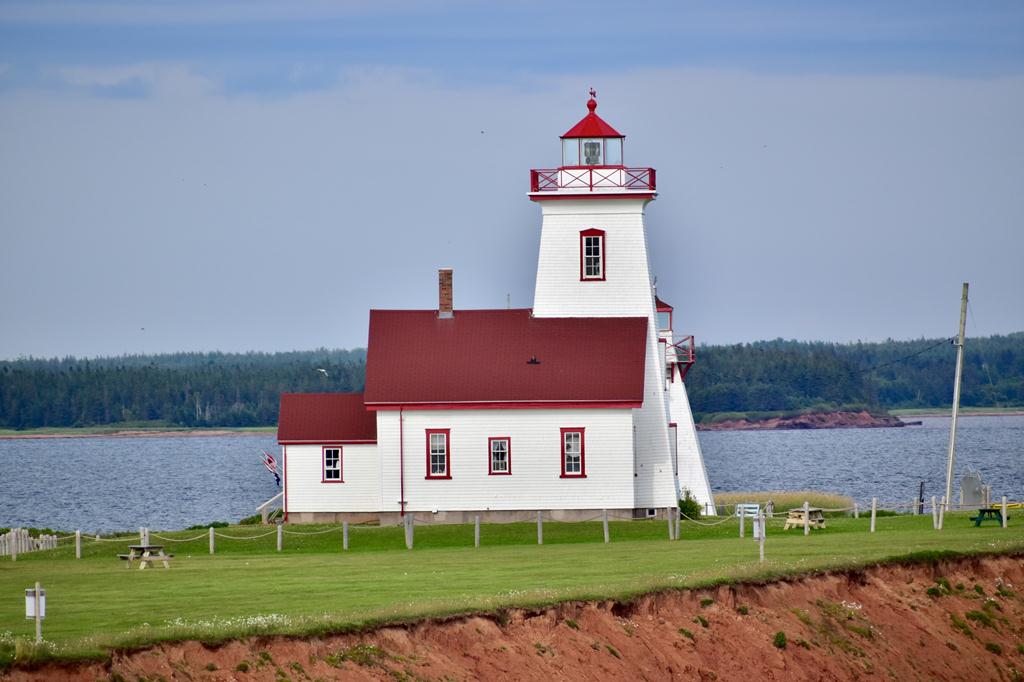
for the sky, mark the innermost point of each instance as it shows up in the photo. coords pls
(257, 175)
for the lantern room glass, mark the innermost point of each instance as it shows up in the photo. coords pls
(613, 151)
(571, 151)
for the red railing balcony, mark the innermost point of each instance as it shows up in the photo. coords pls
(592, 179)
(685, 354)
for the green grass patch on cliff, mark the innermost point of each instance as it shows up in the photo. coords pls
(96, 604)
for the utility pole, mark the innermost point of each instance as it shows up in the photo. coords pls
(956, 396)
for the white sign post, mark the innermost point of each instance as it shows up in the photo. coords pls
(35, 608)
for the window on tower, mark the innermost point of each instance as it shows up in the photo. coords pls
(592, 255)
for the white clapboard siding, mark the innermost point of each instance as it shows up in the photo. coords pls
(625, 292)
(535, 482)
(307, 492)
(692, 474)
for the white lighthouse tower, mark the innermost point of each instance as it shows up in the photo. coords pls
(594, 263)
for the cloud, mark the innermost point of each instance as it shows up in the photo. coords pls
(143, 79)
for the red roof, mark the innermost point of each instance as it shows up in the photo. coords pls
(592, 125)
(325, 418)
(483, 358)
(661, 306)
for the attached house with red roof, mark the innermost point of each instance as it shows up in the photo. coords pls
(572, 407)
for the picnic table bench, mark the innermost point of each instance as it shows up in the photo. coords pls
(146, 554)
(993, 513)
(795, 518)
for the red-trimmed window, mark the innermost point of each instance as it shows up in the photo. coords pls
(332, 464)
(573, 453)
(592, 255)
(439, 453)
(499, 456)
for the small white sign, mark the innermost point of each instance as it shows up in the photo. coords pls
(30, 603)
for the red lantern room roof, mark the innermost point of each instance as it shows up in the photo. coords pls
(592, 125)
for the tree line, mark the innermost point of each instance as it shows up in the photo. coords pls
(243, 389)
(781, 375)
(186, 389)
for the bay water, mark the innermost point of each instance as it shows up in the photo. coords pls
(171, 482)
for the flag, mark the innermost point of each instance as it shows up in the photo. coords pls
(271, 464)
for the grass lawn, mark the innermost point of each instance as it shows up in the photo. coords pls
(313, 587)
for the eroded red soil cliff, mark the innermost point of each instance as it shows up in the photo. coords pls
(951, 621)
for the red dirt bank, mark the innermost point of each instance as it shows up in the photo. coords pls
(879, 623)
(821, 420)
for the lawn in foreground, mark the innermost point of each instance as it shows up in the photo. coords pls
(247, 588)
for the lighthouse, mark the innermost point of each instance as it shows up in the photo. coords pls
(573, 408)
(594, 262)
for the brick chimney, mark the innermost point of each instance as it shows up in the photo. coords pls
(444, 293)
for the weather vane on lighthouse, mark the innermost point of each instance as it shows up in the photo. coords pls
(593, 92)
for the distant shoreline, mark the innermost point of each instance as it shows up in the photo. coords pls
(140, 433)
(829, 421)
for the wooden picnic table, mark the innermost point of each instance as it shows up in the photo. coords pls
(994, 513)
(146, 554)
(795, 518)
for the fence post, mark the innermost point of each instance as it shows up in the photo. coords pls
(807, 517)
(1004, 511)
(344, 534)
(280, 535)
(540, 528)
(942, 512)
(38, 613)
(212, 541)
(935, 514)
(142, 535)
(604, 522)
(671, 526)
(476, 530)
(874, 510)
(78, 544)
(15, 532)
(856, 510)
(408, 531)
(761, 522)
(743, 525)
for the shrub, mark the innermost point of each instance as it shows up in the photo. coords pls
(571, 623)
(613, 651)
(706, 602)
(242, 667)
(980, 617)
(961, 625)
(686, 633)
(689, 507)
(997, 649)
(779, 641)
(701, 620)
(743, 609)
(211, 524)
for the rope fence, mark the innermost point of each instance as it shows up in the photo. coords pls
(19, 541)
